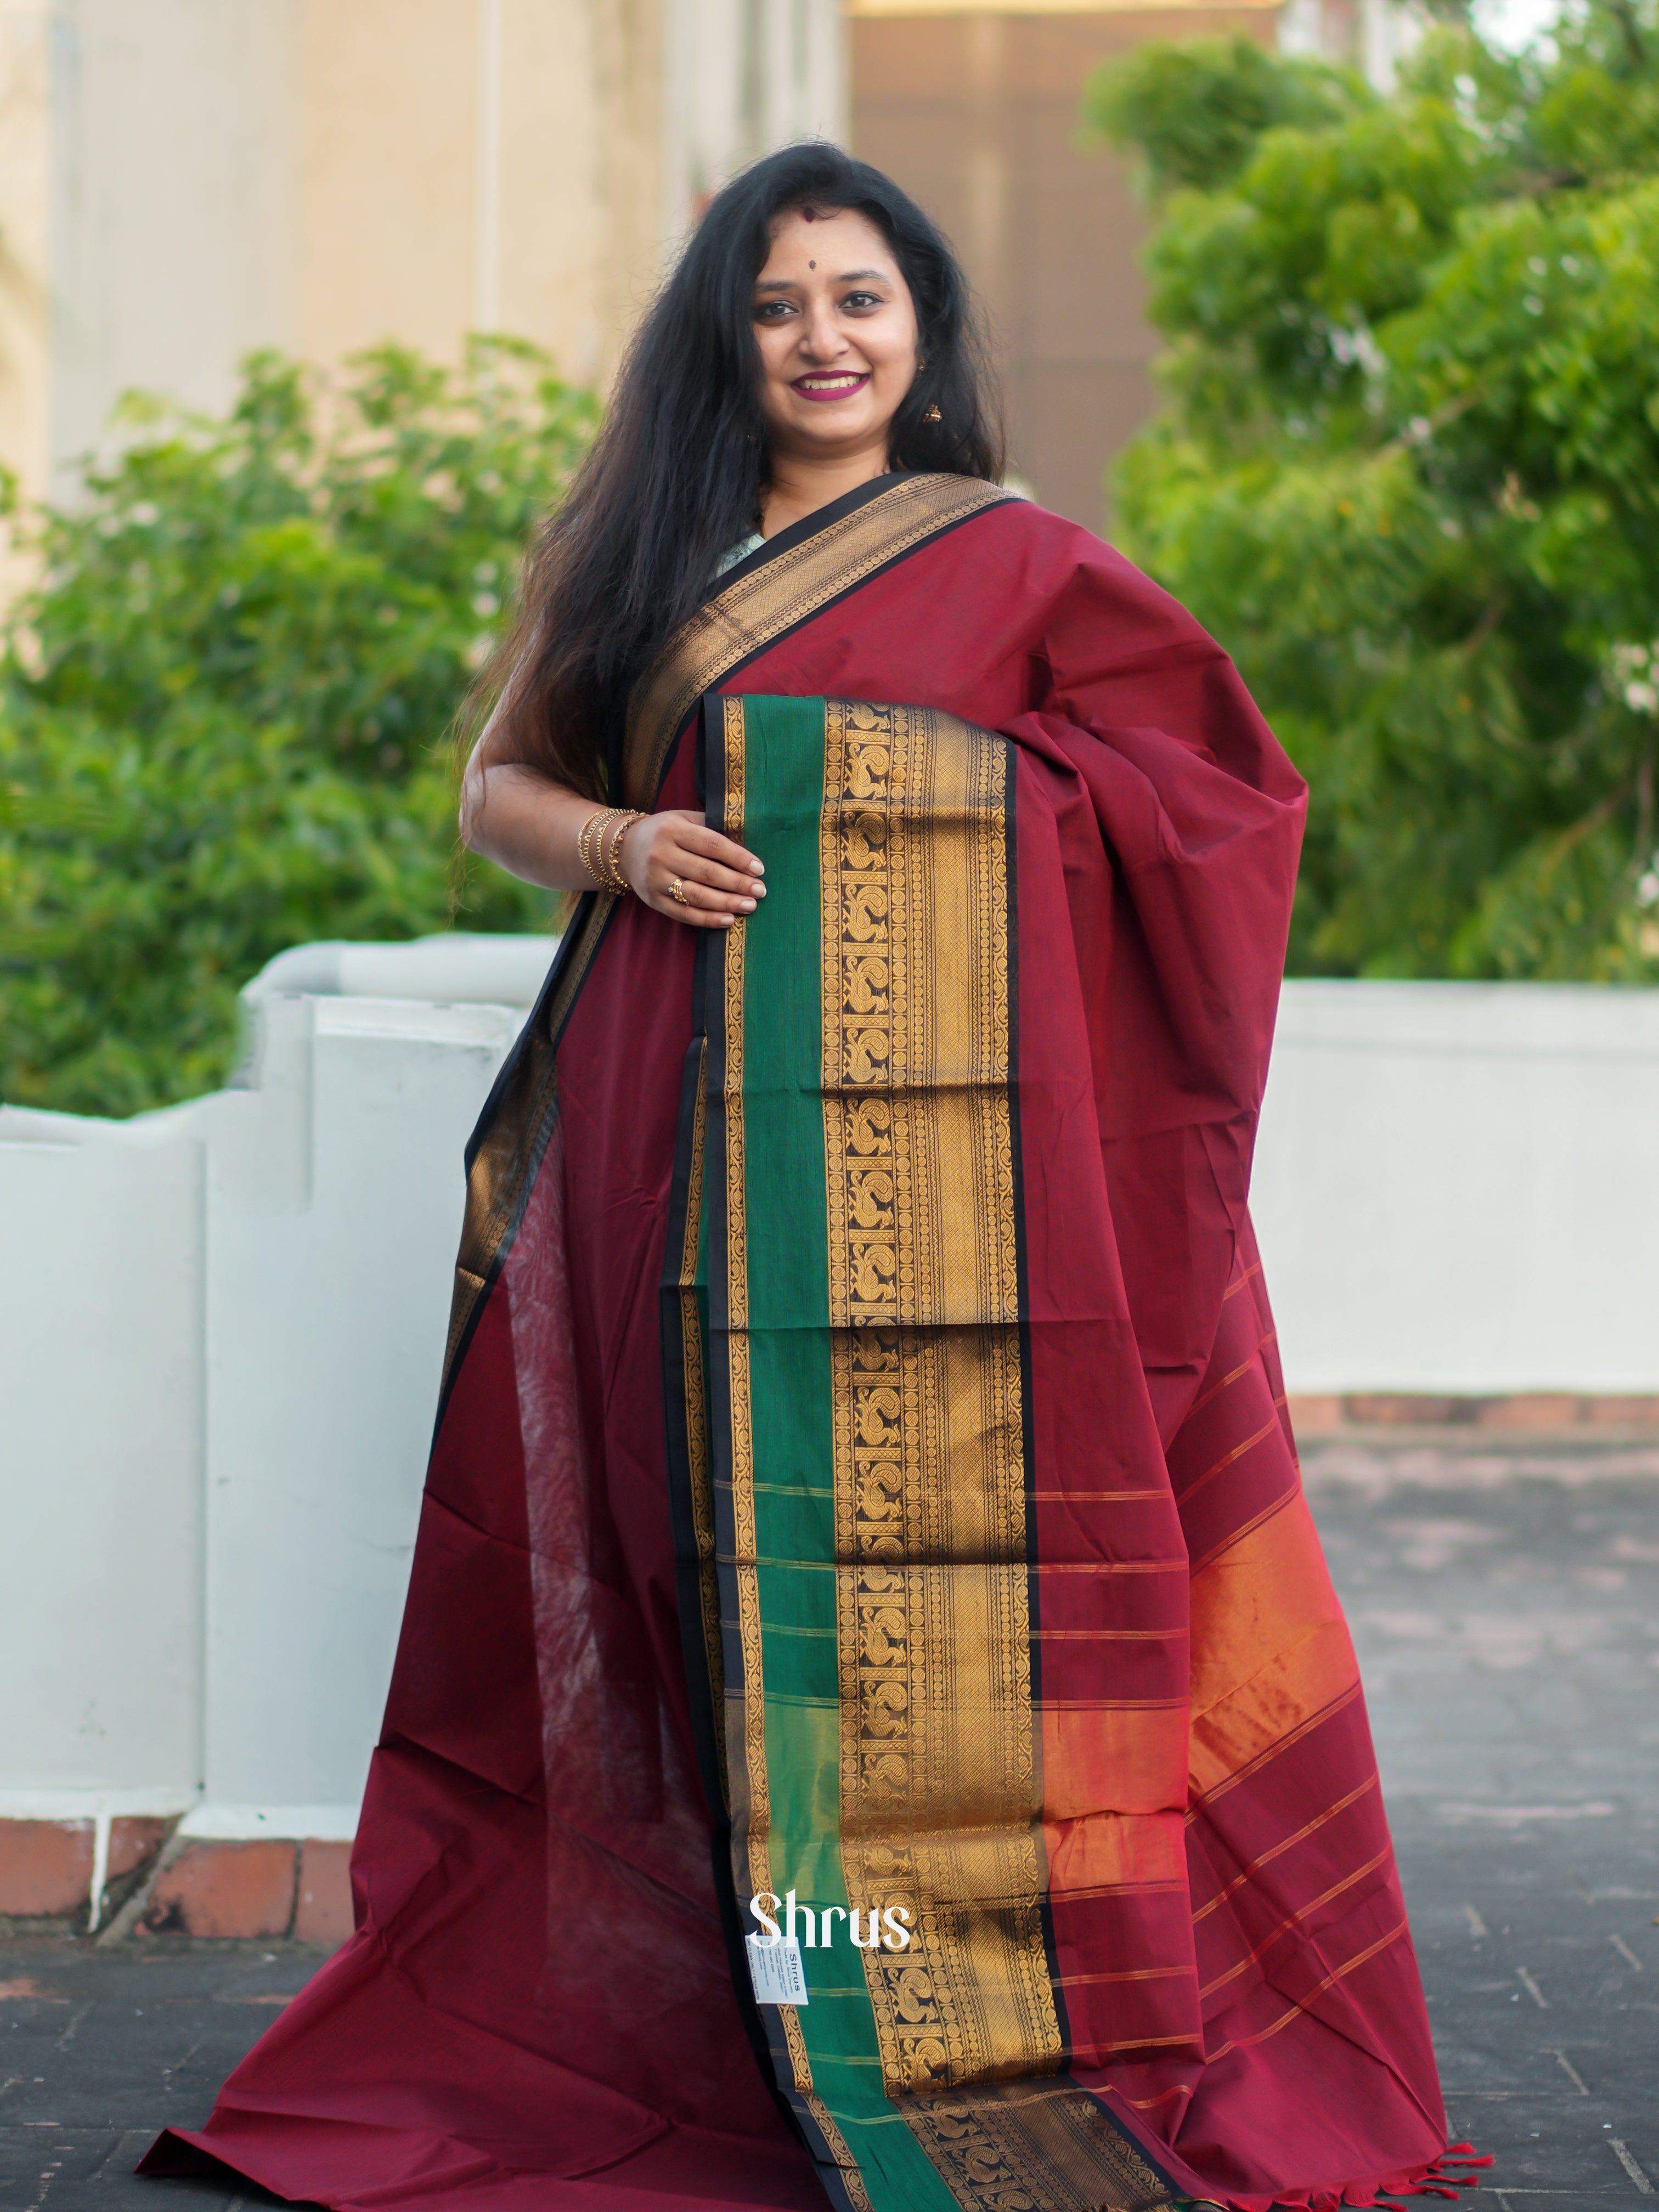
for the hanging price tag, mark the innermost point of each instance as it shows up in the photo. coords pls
(775, 1969)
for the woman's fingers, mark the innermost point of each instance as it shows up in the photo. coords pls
(696, 869)
(698, 917)
(691, 888)
(696, 903)
(697, 837)
(681, 868)
(736, 889)
(734, 897)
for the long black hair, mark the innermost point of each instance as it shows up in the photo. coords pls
(675, 478)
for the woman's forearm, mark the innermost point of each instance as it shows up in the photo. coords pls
(526, 824)
(672, 861)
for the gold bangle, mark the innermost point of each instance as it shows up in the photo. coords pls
(611, 863)
(596, 822)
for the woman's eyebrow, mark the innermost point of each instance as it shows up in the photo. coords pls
(791, 284)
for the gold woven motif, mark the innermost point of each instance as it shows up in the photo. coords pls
(939, 1788)
(1028, 2147)
(822, 2118)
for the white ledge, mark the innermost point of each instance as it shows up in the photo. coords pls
(299, 1824)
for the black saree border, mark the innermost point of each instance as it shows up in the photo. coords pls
(1028, 1413)
(684, 1406)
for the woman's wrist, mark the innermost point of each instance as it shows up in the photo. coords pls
(599, 842)
(613, 866)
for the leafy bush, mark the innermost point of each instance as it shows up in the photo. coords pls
(224, 710)
(1408, 472)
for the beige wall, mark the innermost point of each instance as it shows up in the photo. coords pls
(181, 180)
(142, 210)
(25, 372)
(387, 96)
(474, 164)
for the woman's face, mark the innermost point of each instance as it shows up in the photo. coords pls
(836, 330)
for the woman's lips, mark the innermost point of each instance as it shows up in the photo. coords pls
(842, 385)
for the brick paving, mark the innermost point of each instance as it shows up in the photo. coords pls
(1506, 1600)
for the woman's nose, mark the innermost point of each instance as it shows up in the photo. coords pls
(821, 337)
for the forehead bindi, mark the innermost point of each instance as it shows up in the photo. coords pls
(830, 243)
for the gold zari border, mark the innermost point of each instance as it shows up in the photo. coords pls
(749, 614)
(699, 1463)
(938, 1794)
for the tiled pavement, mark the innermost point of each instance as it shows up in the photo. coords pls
(1506, 1605)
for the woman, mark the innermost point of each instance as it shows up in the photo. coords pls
(862, 1506)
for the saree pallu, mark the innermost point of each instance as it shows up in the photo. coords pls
(863, 1472)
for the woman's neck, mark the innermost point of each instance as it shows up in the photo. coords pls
(800, 487)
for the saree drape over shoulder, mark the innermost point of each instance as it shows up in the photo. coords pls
(863, 1473)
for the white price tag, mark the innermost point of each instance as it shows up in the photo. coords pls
(775, 1969)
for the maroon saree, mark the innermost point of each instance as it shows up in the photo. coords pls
(953, 1517)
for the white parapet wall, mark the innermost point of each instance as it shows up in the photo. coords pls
(1456, 1188)
(222, 1326)
(220, 1337)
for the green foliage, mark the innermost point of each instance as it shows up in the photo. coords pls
(1408, 472)
(224, 708)
(1194, 111)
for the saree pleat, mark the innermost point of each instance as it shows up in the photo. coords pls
(863, 1469)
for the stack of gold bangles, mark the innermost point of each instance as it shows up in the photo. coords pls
(602, 861)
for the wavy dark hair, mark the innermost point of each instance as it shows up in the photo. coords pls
(675, 476)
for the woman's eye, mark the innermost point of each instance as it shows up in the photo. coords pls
(774, 311)
(860, 300)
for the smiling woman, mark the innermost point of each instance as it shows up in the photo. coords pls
(817, 339)
(862, 1477)
(838, 353)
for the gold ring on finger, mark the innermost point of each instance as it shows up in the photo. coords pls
(676, 890)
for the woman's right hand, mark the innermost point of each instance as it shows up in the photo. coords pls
(719, 882)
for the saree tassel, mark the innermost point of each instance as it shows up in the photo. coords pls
(1450, 2173)
(1446, 2176)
